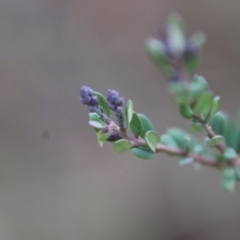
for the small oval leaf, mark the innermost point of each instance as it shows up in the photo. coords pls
(102, 136)
(167, 140)
(146, 124)
(152, 139)
(136, 125)
(121, 145)
(103, 103)
(228, 181)
(219, 123)
(185, 161)
(230, 154)
(96, 124)
(142, 153)
(128, 113)
(198, 86)
(185, 111)
(196, 127)
(204, 104)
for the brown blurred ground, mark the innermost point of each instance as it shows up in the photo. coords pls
(55, 182)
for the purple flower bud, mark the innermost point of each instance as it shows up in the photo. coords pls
(114, 100)
(113, 137)
(86, 100)
(94, 101)
(86, 95)
(115, 103)
(85, 91)
(191, 49)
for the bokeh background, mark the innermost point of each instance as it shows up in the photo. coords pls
(55, 181)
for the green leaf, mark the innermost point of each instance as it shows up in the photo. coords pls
(230, 133)
(136, 125)
(215, 140)
(121, 145)
(219, 123)
(185, 111)
(181, 93)
(96, 124)
(146, 124)
(102, 136)
(204, 104)
(181, 138)
(196, 127)
(191, 64)
(223, 125)
(177, 88)
(103, 103)
(216, 103)
(237, 134)
(168, 140)
(237, 174)
(228, 183)
(230, 154)
(187, 142)
(93, 116)
(198, 86)
(156, 50)
(142, 153)
(185, 161)
(176, 38)
(152, 139)
(197, 40)
(128, 112)
(215, 106)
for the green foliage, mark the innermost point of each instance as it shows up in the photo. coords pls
(142, 153)
(185, 161)
(102, 136)
(186, 111)
(96, 122)
(121, 146)
(198, 86)
(168, 140)
(215, 140)
(136, 125)
(156, 51)
(204, 104)
(103, 103)
(146, 124)
(187, 142)
(177, 57)
(219, 123)
(196, 127)
(191, 64)
(152, 139)
(230, 154)
(228, 182)
(175, 33)
(128, 112)
(237, 174)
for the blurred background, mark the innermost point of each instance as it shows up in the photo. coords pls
(55, 181)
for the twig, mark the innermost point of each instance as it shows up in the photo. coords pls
(220, 146)
(139, 142)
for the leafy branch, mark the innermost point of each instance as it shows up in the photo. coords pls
(177, 56)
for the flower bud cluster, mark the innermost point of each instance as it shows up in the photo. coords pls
(176, 54)
(87, 98)
(115, 103)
